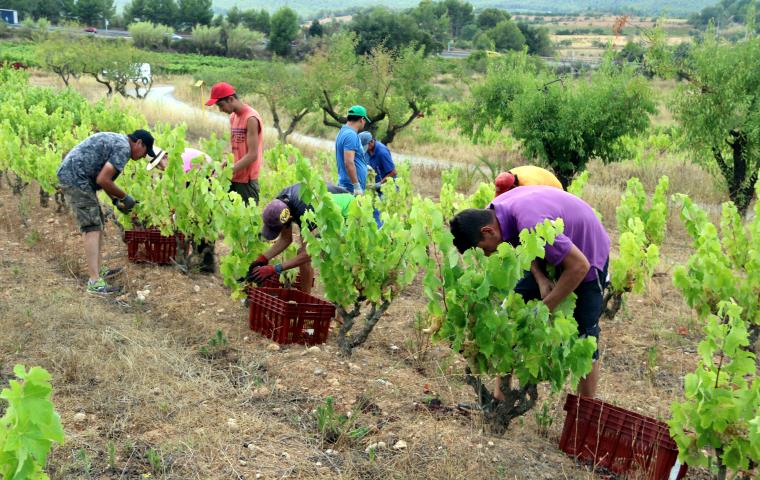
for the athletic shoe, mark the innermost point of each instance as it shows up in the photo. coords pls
(100, 287)
(109, 273)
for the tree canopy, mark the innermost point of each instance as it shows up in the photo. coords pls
(395, 87)
(390, 29)
(563, 122)
(284, 29)
(724, 13)
(91, 12)
(719, 109)
(164, 12)
(194, 12)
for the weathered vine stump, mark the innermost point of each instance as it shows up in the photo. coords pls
(347, 341)
(44, 198)
(498, 414)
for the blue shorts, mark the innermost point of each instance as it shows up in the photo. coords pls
(588, 306)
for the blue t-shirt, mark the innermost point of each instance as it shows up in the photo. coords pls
(380, 160)
(348, 140)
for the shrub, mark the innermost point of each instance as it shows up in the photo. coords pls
(150, 36)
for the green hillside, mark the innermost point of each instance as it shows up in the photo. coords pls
(648, 7)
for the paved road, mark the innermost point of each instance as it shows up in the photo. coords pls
(165, 95)
(101, 32)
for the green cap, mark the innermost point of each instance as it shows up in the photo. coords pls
(359, 111)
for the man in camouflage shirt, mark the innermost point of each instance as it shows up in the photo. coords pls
(92, 165)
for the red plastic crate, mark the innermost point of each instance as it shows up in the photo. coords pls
(289, 316)
(150, 246)
(618, 440)
(274, 282)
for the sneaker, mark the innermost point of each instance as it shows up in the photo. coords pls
(108, 273)
(100, 287)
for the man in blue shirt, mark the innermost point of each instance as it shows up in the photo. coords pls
(352, 169)
(379, 158)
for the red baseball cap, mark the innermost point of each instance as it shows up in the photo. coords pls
(219, 91)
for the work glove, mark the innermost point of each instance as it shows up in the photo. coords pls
(358, 190)
(126, 204)
(377, 186)
(260, 274)
(259, 262)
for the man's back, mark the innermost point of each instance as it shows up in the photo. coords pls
(525, 207)
(82, 164)
(348, 140)
(291, 195)
(381, 161)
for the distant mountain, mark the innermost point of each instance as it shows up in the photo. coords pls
(644, 7)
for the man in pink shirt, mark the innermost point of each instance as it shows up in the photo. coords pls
(247, 140)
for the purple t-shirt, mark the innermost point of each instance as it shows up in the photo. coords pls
(526, 207)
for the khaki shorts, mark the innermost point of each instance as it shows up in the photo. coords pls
(247, 191)
(86, 208)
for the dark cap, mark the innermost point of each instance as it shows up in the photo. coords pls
(364, 139)
(276, 215)
(146, 138)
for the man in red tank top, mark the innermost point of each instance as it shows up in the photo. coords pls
(247, 140)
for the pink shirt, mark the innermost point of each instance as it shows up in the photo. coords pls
(239, 141)
(189, 155)
(525, 207)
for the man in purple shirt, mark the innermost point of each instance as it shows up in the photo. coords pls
(581, 253)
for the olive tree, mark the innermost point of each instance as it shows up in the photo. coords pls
(207, 40)
(62, 56)
(718, 107)
(394, 85)
(563, 122)
(116, 65)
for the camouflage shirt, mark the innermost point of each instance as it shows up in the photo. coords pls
(84, 162)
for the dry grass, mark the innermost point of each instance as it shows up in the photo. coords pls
(86, 85)
(607, 183)
(606, 21)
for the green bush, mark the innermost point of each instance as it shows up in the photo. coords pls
(207, 40)
(241, 42)
(150, 36)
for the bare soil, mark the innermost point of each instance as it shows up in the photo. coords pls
(155, 407)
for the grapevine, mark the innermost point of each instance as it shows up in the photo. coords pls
(474, 307)
(721, 411)
(578, 185)
(723, 266)
(453, 201)
(642, 229)
(360, 264)
(40, 126)
(29, 426)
